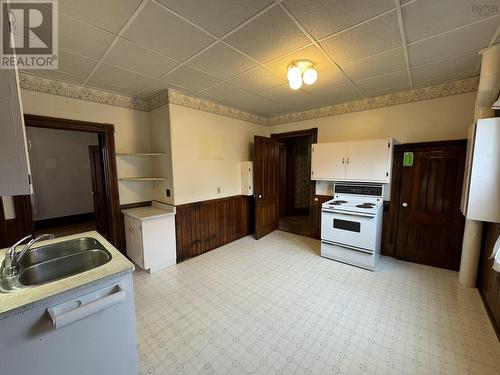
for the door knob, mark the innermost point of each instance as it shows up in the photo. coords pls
(259, 196)
(405, 204)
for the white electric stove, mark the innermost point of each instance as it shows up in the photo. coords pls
(351, 224)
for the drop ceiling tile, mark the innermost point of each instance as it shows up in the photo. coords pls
(118, 77)
(466, 40)
(424, 18)
(385, 84)
(222, 61)
(298, 98)
(83, 39)
(332, 95)
(376, 65)
(224, 92)
(217, 16)
(256, 104)
(157, 28)
(189, 78)
(257, 80)
(322, 18)
(57, 75)
(370, 38)
(112, 88)
(268, 36)
(446, 70)
(110, 15)
(74, 64)
(130, 56)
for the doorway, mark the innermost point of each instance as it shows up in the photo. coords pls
(283, 185)
(429, 222)
(89, 204)
(62, 200)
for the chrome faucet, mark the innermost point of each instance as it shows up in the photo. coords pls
(10, 265)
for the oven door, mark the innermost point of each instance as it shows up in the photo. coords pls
(351, 229)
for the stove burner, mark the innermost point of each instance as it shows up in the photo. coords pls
(366, 205)
(337, 203)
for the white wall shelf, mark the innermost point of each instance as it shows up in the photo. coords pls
(142, 179)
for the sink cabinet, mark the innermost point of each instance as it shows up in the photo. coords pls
(88, 330)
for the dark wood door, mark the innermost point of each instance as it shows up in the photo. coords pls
(266, 185)
(430, 224)
(98, 189)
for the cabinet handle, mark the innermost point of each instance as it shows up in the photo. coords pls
(347, 160)
(343, 160)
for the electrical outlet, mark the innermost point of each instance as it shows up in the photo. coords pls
(218, 189)
(168, 192)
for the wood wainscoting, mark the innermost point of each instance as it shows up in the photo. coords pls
(206, 225)
(488, 279)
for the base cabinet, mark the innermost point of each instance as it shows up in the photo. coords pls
(150, 237)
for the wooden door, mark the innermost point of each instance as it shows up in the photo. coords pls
(98, 189)
(430, 224)
(266, 185)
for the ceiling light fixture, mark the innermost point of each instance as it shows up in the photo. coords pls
(301, 71)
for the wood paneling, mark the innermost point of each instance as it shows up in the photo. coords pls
(316, 202)
(203, 226)
(488, 279)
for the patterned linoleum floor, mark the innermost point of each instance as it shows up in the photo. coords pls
(274, 306)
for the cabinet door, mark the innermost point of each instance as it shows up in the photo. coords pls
(14, 164)
(369, 160)
(137, 242)
(328, 161)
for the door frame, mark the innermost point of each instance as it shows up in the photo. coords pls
(106, 135)
(390, 229)
(313, 133)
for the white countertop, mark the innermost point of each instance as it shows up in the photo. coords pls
(14, 302)
(150, 212)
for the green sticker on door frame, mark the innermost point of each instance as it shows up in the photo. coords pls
(407, 159)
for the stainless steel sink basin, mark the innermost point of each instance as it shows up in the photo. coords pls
(60, 249)
(56, 261)
(65, 266)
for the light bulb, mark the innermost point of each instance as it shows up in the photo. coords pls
(294, 73)
(310, 76)
(295, 83)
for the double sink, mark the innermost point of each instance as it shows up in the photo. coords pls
(44, 264)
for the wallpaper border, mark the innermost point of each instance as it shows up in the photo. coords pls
(50, 86)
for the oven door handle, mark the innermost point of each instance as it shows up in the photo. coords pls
(348, 213)
(347, 246)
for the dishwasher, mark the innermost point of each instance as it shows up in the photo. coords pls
(85, 331)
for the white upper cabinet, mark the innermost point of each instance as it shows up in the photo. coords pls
(367, 160)
(328, 161)
(14, 163)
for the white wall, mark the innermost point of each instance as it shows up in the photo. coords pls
(428, 120)
(60, 169)
(438, 119)
(131, 132)
(206, 153)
